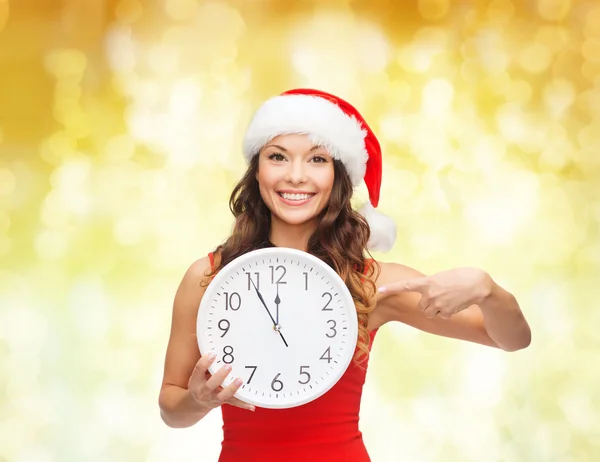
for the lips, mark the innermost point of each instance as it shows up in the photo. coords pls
(295, 198)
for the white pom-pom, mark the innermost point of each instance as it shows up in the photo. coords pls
(383, 228)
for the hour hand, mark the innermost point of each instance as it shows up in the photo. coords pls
(277, 302)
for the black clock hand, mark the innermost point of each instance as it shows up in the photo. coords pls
(277, 302)
(271, 316)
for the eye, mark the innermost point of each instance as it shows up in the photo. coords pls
(276, 157)
(319, 159)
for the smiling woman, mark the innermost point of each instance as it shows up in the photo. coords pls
(306, 151)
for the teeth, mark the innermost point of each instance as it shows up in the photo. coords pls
(295, 197)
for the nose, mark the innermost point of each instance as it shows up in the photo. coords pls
(296, 173)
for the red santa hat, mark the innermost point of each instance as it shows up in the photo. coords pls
(336, 125)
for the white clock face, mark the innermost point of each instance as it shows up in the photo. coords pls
(294, 347)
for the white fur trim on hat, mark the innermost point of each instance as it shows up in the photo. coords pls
(322, 120)
(383, 228)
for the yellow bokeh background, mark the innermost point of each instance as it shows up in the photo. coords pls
(120, 140)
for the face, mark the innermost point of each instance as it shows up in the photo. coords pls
(295, 178)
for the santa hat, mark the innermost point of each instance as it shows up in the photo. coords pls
(336, 125)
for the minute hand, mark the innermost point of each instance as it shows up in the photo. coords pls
(270, 315)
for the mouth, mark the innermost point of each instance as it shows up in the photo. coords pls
(295, 198)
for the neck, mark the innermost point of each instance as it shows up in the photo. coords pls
(288, 235)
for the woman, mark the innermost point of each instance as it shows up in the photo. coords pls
(306, 151)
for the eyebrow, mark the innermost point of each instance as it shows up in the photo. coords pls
(314, 148)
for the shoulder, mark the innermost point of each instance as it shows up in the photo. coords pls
(391, 272)
(195, 279)
(198, 269)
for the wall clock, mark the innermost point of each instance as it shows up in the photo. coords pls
(286, 323)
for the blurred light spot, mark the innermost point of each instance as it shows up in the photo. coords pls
(437, 97)
(5, 245)
(591, 71)
(120, 49)
(66, 63)
(557, 320)
(555, 155)
(4, 13)
(498, 213)
(337, 47)
(578, 409)
(433, 9)
(127, 231)
(591, 50)
(483, 374)
(391, 127)
(4, 222)
(88, 308)
(535, 58)
(414, 59)
(552, 439)
(185, 100)
(163, 59)
(429, 43)
(51, 244)
(519, 92)
(119, 148)
(128, 11)
(588, 135)
(489, 50)
(35, 453)
(53, 213)
(592, 23)
(553, 10)
(113, 407)
(559, 95)
(8, 182)
(24, 329)
(72, 182)
(511, 122)
(372, 49)
(58, 147)
(470, 71)
(77, 125)
(500, 10)
(555, 38)
(426, 413)
(181, 10)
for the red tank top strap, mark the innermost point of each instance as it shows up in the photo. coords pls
(368, 263)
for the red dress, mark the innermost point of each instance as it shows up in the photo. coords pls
(325, 429)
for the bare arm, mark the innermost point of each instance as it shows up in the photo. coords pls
(188, 392)
(497, 321)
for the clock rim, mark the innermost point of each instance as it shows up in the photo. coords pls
(277, 251)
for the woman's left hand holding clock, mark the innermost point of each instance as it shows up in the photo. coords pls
(206, 389)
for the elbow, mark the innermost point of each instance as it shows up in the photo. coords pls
(165, 413)
(168, 422)
(520, 343)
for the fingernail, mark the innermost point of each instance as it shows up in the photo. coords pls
(252, 409)
(382, 290)
(212, 355)
(238, 381)
(227, 367)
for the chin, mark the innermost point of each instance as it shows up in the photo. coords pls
(297, 219)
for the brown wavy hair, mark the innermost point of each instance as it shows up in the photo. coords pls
(340, 240)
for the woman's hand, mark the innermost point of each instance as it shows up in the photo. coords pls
(207, 391)
(445, 293)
